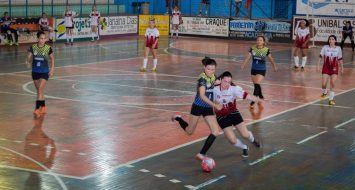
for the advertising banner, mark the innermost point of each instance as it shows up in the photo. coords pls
(161, 22)
(205, 26)
(250, 29)
(345, 8)
(324, 27)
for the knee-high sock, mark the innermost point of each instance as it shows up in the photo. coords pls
(208, 143)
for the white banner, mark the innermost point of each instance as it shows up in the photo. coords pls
(205, 26)
(108, 26)
(119, 25)
(324, 27)
(326, 7)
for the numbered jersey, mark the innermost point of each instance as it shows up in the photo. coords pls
(259, 57)
(40, 56)
(208, 83)
(331, 57)
(94, 18)
(228, 99)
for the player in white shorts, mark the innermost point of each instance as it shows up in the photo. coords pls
(176, 20)
(69, 16)
(94, 23)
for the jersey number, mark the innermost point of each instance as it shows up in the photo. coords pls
(38, 64)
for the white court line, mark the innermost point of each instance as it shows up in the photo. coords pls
(335, 106)
(25, 87)
(344, 123)
(203, 138)
(61, 183)
(311, 137)
(39, 172)
(144, 170)
(91, 63)
(209, 182)
(159, 175)
(266, 157)
(175, 181)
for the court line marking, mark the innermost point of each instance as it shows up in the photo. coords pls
(98, 102)
(90, 63)
(39, 172)
(59, 180)
(273, 154)
(335, 106)
(203, 138)
(310, 138)
(209, 182)
(175, 181)
(344, 123)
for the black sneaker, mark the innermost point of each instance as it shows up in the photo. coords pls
(245, 152)
(71, 43)
(256, 144)
(295, 67)
(302, 68)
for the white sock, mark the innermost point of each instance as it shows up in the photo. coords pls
(304, 60)
(297, 60)
(93, 35)
(251, 137)
(177, 33)
(172, 33)
(331, 95)
(97, 34)
(324, 91)
(240, 144)
(72, 38)
(145, 62)
(155, 63)
(67, 35)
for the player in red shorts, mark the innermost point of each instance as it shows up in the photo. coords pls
(332, 57)
(301, 44)
(151, 44)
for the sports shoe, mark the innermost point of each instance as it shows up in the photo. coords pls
(71, 43)
(302, 68)
(256, 144)
(16, 44)
(154, 70)
(323, 97)
(43, 109)
(142, 69)
(37, 113)
(245, 152)
(177, 114)
(295, 68)
(200, 157)
(332, 102)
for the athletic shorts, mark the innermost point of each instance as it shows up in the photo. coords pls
(329, 69)
(201, 111)
(207, 2)
(258, 72)
(37, 76)
(299, 45)
(232, 119)
(150, 45)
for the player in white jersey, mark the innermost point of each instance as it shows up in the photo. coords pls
(176, 20)
(69, 16)
(332, 56)
(44, 26)
(226, 94)
(301, 43)
(94, 23)
(151, 45)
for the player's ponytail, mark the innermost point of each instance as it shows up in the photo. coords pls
(208, 61)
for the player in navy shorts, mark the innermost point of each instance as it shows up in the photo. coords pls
(40, 53)
(203, 106)
(258, 54)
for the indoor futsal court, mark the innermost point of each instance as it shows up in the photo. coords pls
(108, 125)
